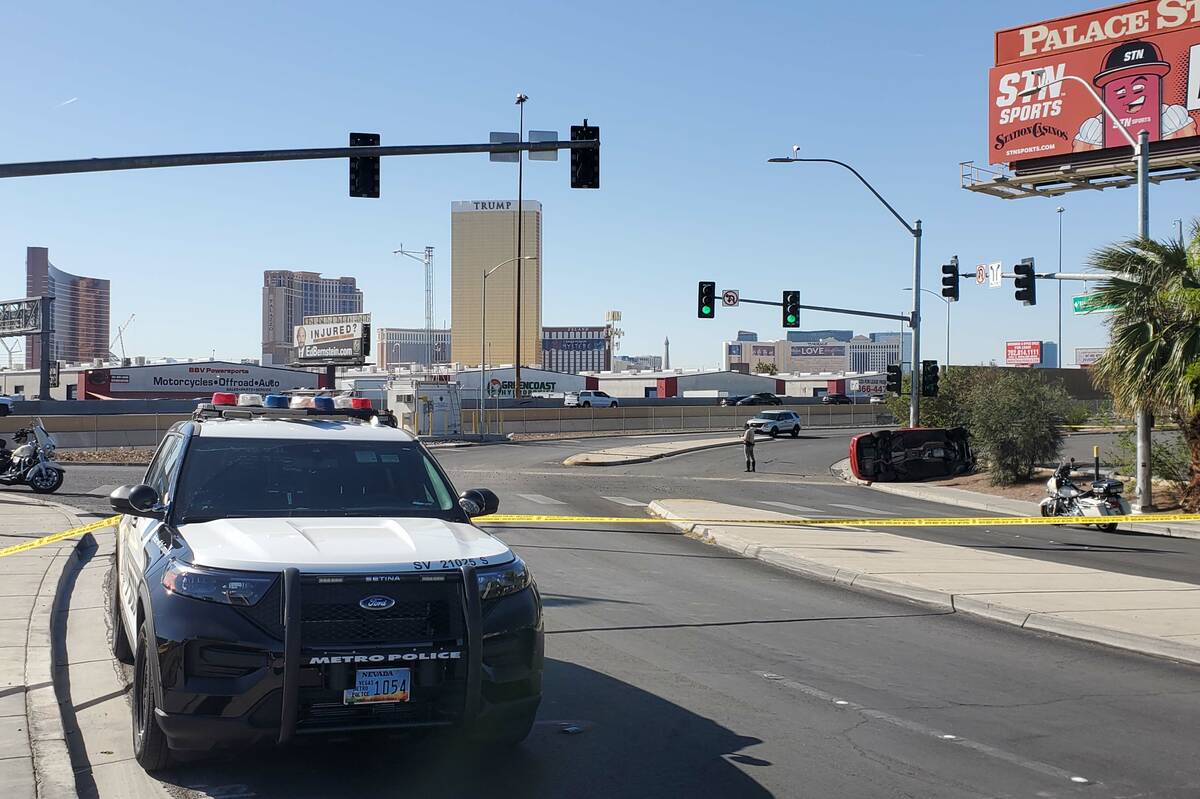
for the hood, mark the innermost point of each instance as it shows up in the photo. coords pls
(339, 544)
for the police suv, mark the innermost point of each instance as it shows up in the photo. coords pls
(291, 567)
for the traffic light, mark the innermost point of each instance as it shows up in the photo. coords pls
(791, 309)
(706, 299)
(364, 172)
(1026, 282)
(950, 280)
(929, 378)
(893, 379)
(585, 164)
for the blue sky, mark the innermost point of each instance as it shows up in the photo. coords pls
(691, 98)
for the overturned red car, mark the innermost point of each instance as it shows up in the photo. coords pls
(908, 454)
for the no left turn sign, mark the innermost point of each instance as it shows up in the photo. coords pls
(730, 297)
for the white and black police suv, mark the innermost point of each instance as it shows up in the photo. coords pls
(292, 567)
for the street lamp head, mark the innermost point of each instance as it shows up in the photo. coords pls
(1041, 85)
(780, 160)
(1060, 209)
(521, 98)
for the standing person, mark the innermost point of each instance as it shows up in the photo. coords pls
(748, 446)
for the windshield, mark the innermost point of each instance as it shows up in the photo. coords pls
(248, 477)
(771, 415)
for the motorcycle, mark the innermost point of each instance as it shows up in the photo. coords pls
(32, 461)
(1065, 498)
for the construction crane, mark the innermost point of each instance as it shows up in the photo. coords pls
(425, 258)
(121, 338)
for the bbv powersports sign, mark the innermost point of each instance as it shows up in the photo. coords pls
(337, 340)
(1141, 58)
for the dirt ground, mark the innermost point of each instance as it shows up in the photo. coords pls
(1033, 490)
(133, 456)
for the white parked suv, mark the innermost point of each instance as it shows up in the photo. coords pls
(589, 399)
(773, 423)
(284, 573)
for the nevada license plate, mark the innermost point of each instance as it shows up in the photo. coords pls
(377, 686)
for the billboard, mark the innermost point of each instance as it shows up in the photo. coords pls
(1087, 356)
(190, 380)
(336, 341)
(1141, 58)
(1022, 353)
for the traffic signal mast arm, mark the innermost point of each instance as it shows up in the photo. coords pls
(851, 312)
(256, 156)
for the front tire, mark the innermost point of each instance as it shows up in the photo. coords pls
(149, 744)
(586, 405)
(120, 638)
(47, 481)
(774, 432)
(1108, 528)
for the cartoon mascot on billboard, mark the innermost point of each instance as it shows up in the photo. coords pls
(1130, 84)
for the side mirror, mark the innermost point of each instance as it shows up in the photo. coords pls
(479, 502)
(136, 500)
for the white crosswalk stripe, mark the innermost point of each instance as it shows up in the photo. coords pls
(102, 491)
(541, 499)
(860, 509)
(795, 508)
(631, 503)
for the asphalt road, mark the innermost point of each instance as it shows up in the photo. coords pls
(676, 669)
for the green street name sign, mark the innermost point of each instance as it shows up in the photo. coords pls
(1084, 303)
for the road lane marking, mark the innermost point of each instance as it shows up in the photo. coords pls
(55, 537)
(921, 729)
(102, 491)
(858, 508)
(540, 499)
(631, 503)
(791, 507)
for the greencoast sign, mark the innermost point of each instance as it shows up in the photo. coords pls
(1086, 303)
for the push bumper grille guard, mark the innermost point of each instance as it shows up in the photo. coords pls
(292, 647)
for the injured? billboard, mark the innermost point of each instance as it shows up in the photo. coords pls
(1141, 58)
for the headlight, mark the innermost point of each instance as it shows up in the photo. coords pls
(503, 580)
(212, 585)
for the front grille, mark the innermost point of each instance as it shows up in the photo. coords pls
(423, 611)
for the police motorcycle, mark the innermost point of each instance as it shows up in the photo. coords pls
(32, 461)
(1065, 498)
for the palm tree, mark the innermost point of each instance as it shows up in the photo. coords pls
(1153, 357)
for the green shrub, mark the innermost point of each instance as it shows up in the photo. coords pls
(1015, 419)
(1169, 458)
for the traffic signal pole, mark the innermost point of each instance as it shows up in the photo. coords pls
(120, 163)
(914, 405)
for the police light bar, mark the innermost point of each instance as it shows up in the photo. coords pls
(224, 398)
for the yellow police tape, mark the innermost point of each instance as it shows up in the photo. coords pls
(50, 539)
(966, 521)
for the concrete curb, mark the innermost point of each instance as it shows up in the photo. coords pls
(602, 458)
(945, 600)
(841, 469)
(52, 770)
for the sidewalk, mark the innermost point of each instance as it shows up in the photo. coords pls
(1003, 505)
(1151, 616)
(642, 453)
(34, 762)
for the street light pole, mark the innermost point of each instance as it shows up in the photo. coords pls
(521, 98)
(1059, 348)
(914, 411)
(1141, 155)
(483, 343)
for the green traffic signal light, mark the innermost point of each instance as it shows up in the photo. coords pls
(791, 319)
(706, 310)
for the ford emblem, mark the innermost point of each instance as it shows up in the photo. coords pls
(376, 602)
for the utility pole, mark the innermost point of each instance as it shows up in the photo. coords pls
(1059, 348)
(426, 258)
